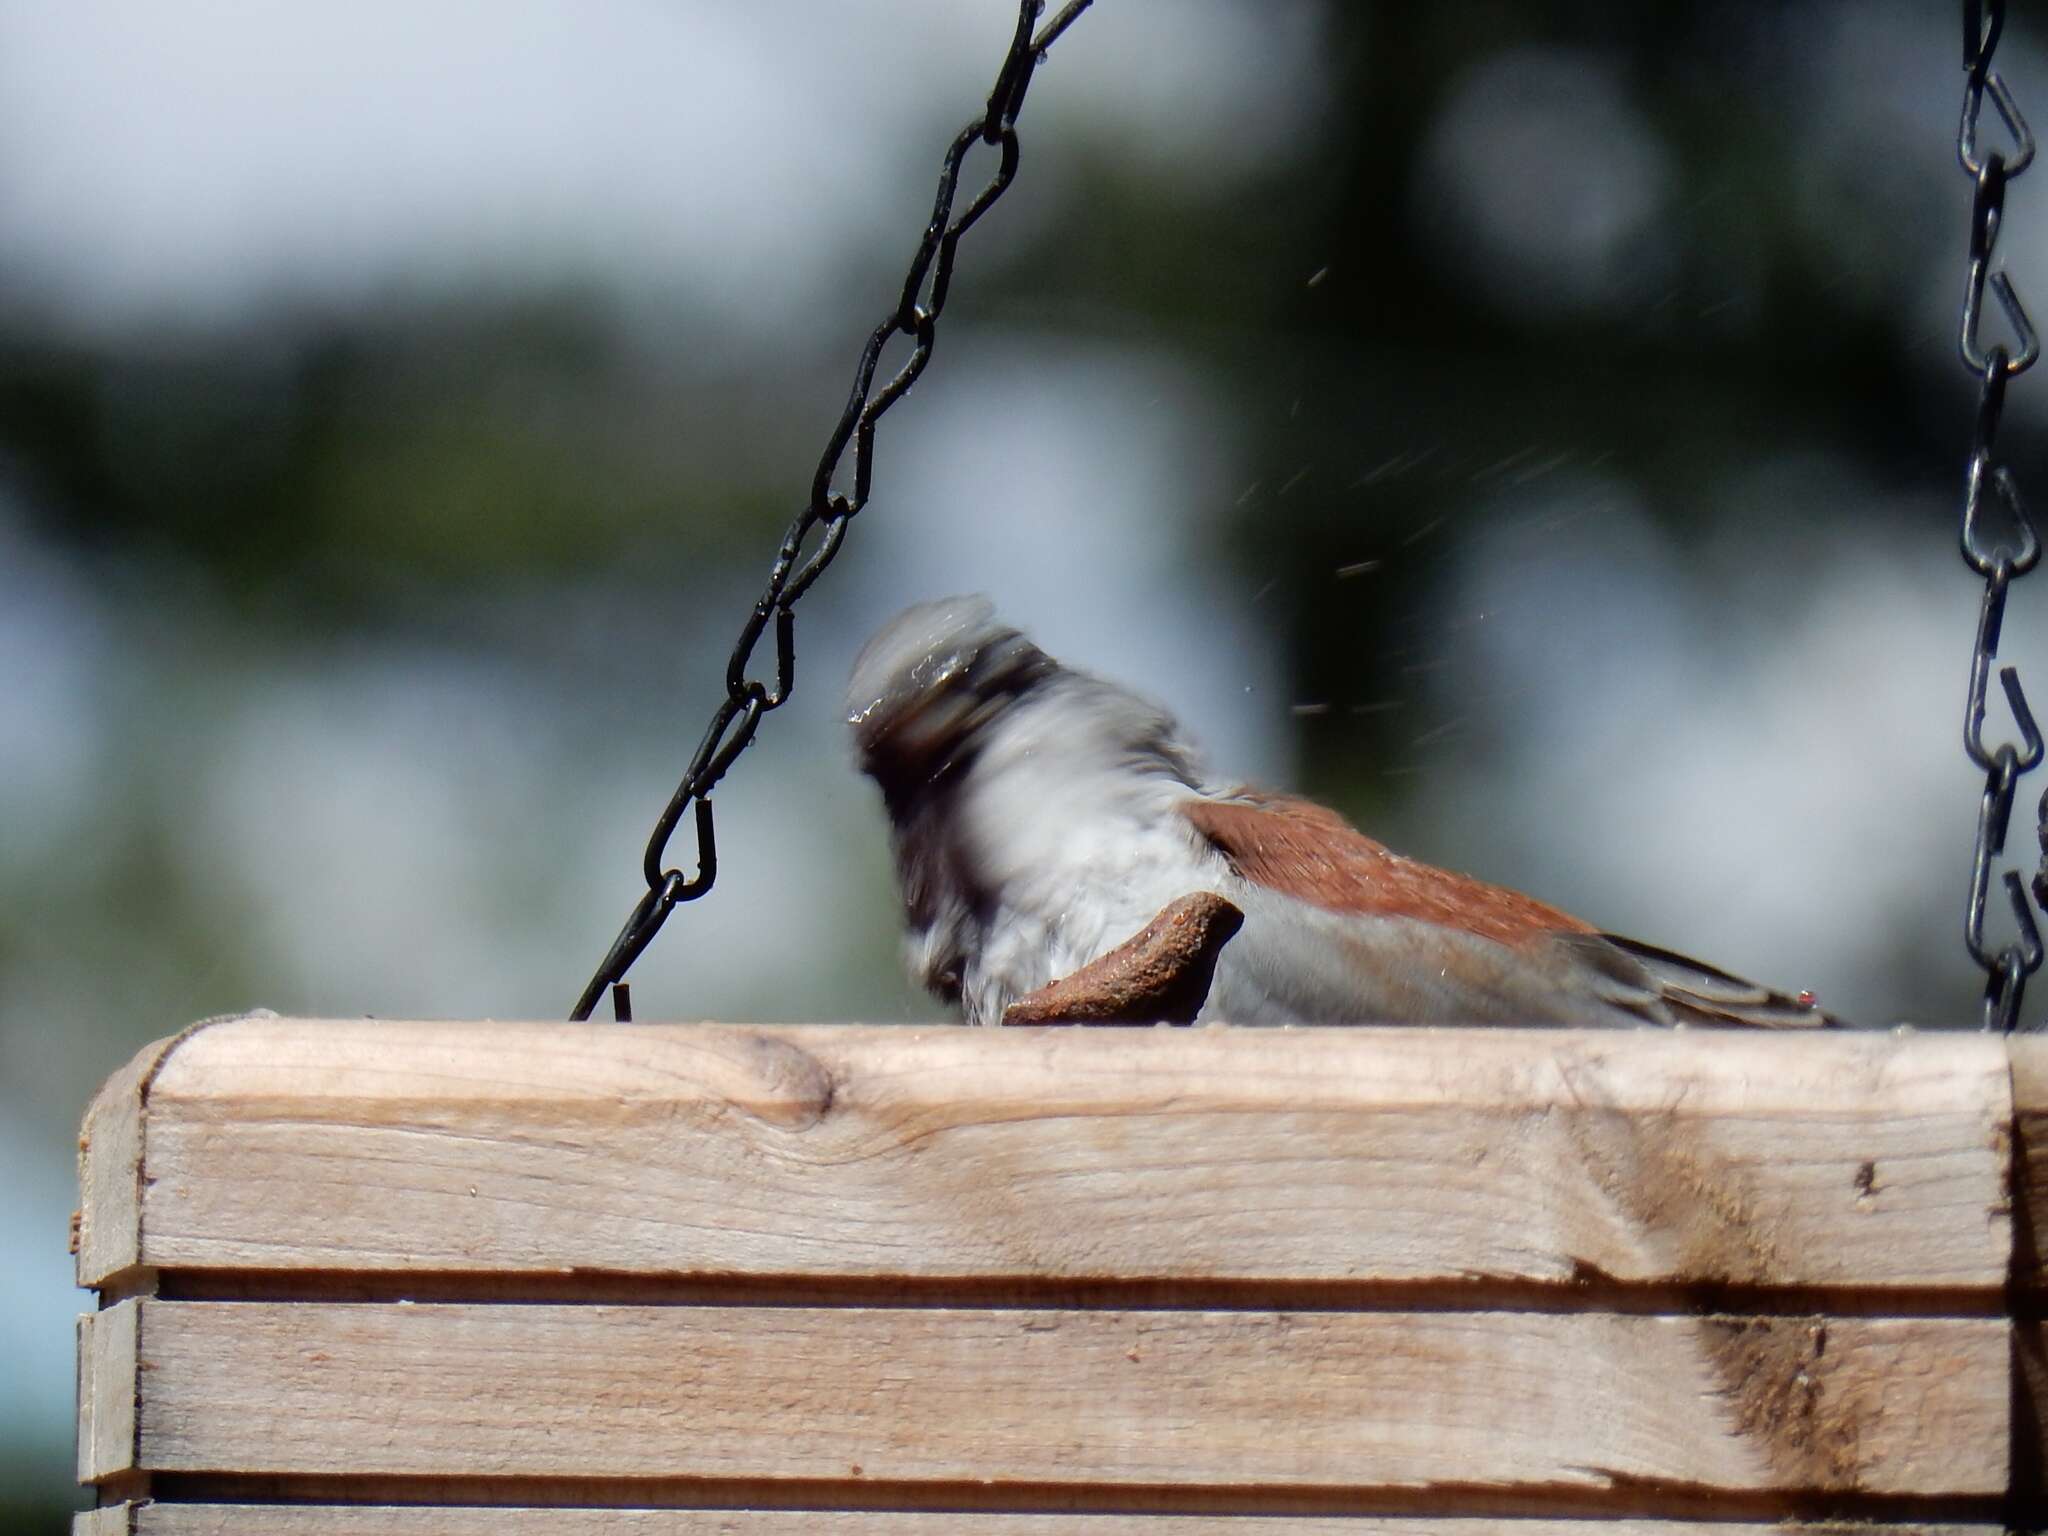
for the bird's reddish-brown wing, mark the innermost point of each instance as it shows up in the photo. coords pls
(1309, 852)
(1302, 850)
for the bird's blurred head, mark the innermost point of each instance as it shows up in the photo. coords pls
(929, 683)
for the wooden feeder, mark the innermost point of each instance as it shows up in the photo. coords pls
(668, 1280)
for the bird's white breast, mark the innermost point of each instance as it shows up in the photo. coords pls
(1081, 836)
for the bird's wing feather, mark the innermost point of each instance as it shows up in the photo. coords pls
(1297, 964)
(1393, 938)
(1690, 992)
(1309, 852)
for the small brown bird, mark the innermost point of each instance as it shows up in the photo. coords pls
(1062, 858)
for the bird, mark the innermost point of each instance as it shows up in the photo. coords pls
(1063, 857)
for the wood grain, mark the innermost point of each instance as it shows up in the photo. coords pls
(1332, 1399)
(2029, 1490)
(245, 1520)
(1556, 1205)
(107, 1375)
(110, 1152)
(1407, 1156)
(2029, 1058)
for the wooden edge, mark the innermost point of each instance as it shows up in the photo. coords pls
(2028, 1055)
(108, 1236)
(108, 1356)
(2028, 1494)
(422, 1520)
(789, 1073)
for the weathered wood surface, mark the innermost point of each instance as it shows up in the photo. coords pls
(1181, 1398)
(1870, 1162)
(1182, 1282)
(110, 1167)
(108, 1392)
(2029, 1056)
(288, 1520)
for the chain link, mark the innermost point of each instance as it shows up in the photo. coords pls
(821, 525)
(2012, 548)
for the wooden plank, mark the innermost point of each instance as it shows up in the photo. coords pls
(1212, 1155)
(415, 1520)
(2029, 1416)
(2029, 1058)
(109, 1233)
(1563, 1401)
(107, 1371)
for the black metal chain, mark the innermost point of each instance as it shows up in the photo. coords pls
(828, 512)
(2013, 548)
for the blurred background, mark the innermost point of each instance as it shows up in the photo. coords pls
(1534, 428)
